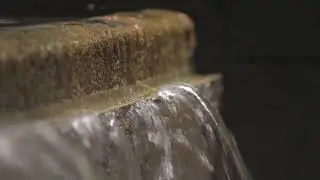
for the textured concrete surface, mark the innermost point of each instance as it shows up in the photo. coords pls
(69, 60)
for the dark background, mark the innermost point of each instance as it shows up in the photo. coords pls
(267, 51)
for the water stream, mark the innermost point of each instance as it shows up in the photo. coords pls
(177, 135)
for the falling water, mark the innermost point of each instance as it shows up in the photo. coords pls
(177, 135)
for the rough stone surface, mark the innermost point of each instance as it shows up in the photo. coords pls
(66, 60)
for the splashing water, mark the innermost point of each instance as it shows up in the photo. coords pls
(177, 135)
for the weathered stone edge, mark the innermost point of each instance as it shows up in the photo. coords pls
(45, 64)
(116, 98)
(209, 86)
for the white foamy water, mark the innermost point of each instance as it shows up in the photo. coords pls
(177, 135)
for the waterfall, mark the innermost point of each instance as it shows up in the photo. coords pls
(175, 135)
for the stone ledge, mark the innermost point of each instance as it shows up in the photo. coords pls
(47, 63)
(210, 86)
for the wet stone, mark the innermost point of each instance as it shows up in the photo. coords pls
(94, 99)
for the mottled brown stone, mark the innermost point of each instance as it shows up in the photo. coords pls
(48, 63)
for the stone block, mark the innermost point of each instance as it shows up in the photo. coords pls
(50, 62)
